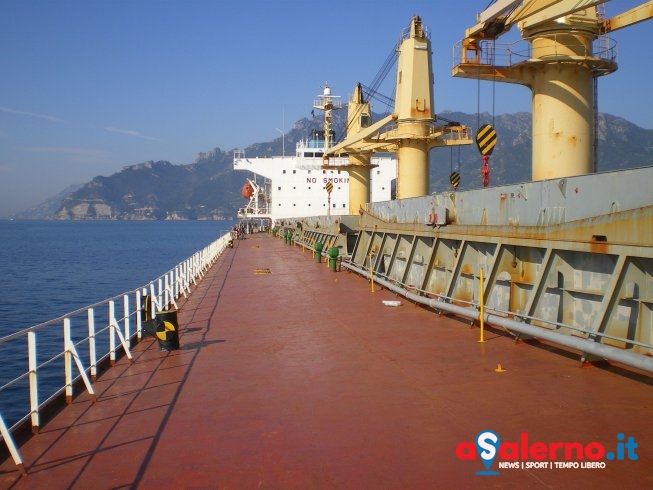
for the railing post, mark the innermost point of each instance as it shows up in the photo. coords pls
(68, 361)
(92, 353)
(125, 310)
(6, 435)
(114, 329)
(112, 334)
(33, 381)
(166, 290)
(188, 273)
(155, 304)
(159, 296)
(70, 355)
(139, 321)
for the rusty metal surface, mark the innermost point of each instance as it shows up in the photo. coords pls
(303, 378)
(530, 207)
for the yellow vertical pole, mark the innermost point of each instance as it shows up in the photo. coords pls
(371, 273)
(480, 287)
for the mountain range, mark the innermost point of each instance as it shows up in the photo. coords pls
(209, 188)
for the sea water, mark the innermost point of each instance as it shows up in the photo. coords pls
(50, 268)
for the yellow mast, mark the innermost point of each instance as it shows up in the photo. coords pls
(358, 117)
(414, 133)
(413, 103)
(327, 103)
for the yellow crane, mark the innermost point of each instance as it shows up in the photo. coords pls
(410, 131)
(559, 65)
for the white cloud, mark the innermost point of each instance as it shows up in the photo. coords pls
(129, 132)
(31, 114)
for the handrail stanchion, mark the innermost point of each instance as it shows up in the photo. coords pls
(114, 329)
(125, 310)
(11, 446)
(139, 320)
(33, 381)
(70, 355)
(92, 353)
(112, 335)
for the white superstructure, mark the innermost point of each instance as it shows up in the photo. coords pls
(297, 186)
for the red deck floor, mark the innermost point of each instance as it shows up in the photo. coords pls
(302, 378)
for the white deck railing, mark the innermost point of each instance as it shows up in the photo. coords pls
(71, 347)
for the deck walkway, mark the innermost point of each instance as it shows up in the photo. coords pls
(302, 378)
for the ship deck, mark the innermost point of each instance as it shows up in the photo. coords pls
(303, 378)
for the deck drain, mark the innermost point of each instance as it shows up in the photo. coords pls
(262, 271)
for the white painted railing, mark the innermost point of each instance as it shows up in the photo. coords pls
(77, 343)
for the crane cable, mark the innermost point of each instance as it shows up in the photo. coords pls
(372, 90)
(486, 134)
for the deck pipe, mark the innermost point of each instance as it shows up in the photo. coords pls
(586, 346)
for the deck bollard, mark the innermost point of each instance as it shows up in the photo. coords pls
(165, 328)
(333, 253)
(318, 251)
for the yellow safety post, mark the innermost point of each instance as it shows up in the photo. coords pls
(371, 273)
(481, 303)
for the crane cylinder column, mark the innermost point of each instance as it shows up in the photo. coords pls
(413, 162)
(359, 181)
(563, 106)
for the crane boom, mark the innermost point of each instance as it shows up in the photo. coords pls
(490, 15)
(503, 14)
(629, 17)
(536, 12)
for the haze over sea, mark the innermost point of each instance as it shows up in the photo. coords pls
(50, 268)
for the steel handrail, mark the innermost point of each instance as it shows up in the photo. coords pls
(97, 345)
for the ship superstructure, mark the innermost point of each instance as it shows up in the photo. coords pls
(301, 184)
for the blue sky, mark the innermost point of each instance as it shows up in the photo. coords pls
(89, 86)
